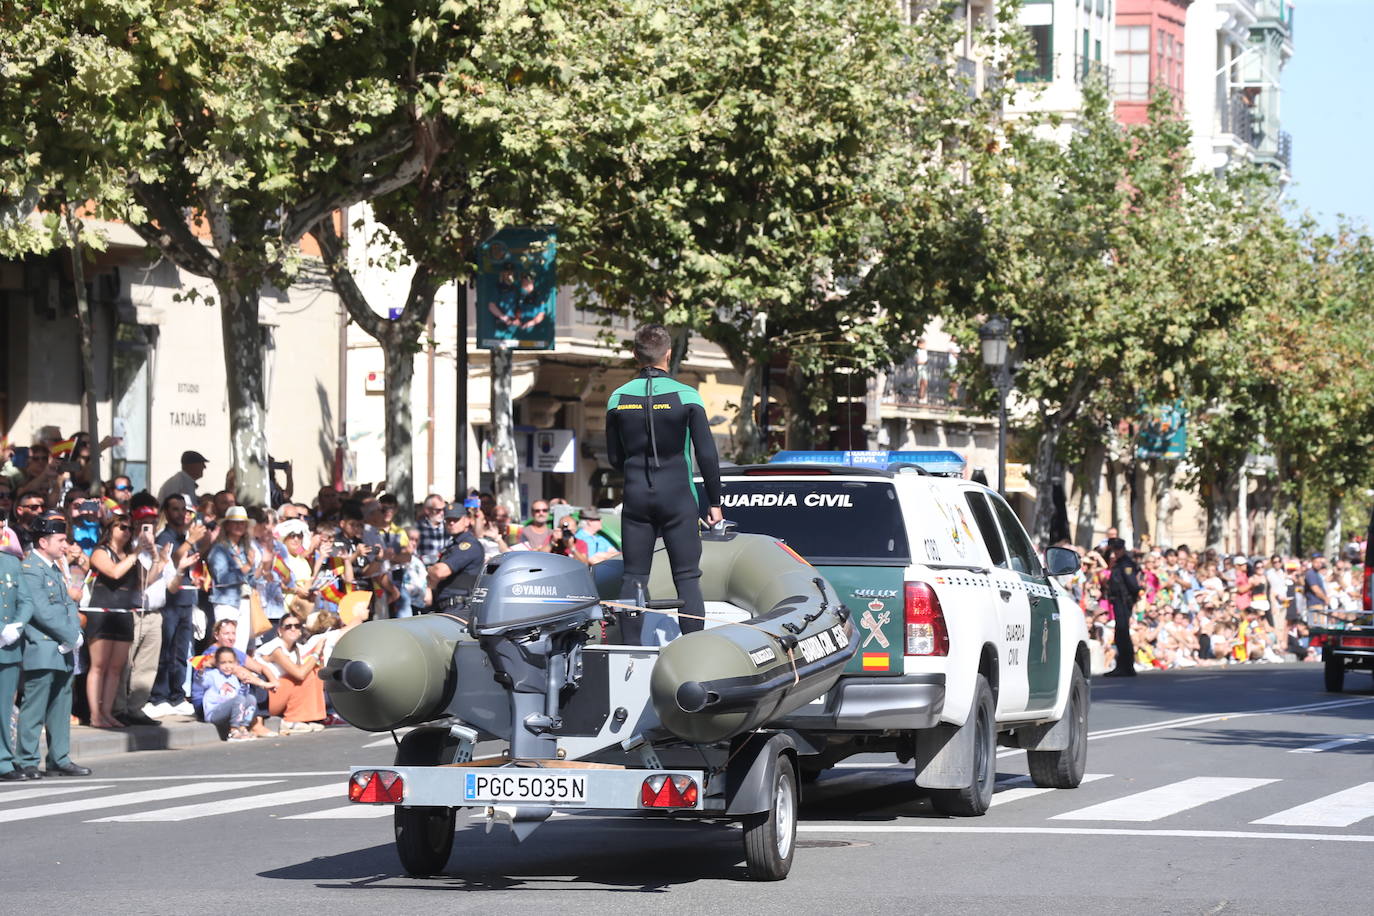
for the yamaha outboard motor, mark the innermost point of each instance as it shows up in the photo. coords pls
(530, 613)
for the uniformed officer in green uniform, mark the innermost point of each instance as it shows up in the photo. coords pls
(15, 611)
(50, 645)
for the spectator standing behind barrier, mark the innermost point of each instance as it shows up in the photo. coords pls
(433, 539)
(50, 646)
(116, 591)
(16, 609)
(184, 482)
(537, 534)
(183, 536)
(299, 697)
(157, 573)
(231, 569)
(1314, 590)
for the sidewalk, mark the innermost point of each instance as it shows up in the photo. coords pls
(171, 733)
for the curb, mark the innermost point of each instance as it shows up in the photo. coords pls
(95, 743)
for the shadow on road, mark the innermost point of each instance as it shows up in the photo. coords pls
(1279, 740)
(567, 853)
(1198, 691)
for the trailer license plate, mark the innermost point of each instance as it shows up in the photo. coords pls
(553, 789)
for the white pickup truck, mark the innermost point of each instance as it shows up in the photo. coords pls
(967, 639)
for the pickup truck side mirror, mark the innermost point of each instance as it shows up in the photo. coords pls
(1061, 561)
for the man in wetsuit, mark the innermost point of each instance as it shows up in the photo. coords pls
(653, 425)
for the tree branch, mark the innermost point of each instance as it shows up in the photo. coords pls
(172, 236)
(335, 263)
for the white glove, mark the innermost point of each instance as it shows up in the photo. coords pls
(9, 635)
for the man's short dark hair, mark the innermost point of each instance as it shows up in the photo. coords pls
(352, 510)
(167, 503)
(652, 343)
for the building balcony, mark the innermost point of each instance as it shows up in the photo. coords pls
(930, 387)
(1237, 118)
(1277, 152)
(1275, 14)
(1084, 68)
(967, 69)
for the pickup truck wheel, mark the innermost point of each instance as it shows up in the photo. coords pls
(1334, 670)
(1064, 769)
(424, 839)
(770, 837)
(974, 799)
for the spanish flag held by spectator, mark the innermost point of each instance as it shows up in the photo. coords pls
(64, 448)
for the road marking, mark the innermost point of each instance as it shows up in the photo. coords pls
(1340, 809)
(227, 805)
(389, 740)
(1217, 717)
(1155, 804)
(132, 798)
(347, 812)
(1087, 831)
(201, 776)
(1334, 743)
(21, 794)
(1015, 791)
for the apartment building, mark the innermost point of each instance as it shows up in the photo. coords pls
(1148, 55)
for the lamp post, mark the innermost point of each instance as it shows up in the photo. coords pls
(994, 335)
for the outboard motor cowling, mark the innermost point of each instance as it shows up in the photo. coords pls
(530, 613)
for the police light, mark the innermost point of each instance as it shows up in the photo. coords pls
(940, 462)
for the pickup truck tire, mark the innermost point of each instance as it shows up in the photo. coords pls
(424, 839)
(1334, 670)
(974, 799)
(1064, 769)
(770, 837)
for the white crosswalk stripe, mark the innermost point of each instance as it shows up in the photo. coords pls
(1340, 809)
(131, 798)
(230, 805)
(1334, 743)
(1017, 789)
(1165, 801)
(347, 812)
(21, 794)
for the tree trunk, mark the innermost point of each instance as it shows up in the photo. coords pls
(747, 435)
(506, 488)
(399, 366)
(243, 370)
(1136, 476)
(83, 317)
(1164, 501)
(682, 339)
(1214, 501)
(1332, 544)
(1118, 481)
(800, 420)
(1089, 483)
(1045, 452)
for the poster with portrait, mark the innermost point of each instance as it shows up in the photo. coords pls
(516, 289)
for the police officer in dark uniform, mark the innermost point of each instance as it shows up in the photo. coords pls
(1123, 588)
(451, 578)
(654, 424)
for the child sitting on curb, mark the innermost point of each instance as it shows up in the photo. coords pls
(227, 698)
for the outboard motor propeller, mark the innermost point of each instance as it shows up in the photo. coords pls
(530, 612)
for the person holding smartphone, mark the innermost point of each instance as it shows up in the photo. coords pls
(157, 580)
(182, 535)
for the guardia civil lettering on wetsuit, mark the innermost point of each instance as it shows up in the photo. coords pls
(654, 426)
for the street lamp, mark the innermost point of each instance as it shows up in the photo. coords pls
(994, 336)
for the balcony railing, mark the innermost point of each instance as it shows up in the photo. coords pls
(1285, 150)
(1085, 68)
(968, 70)
(1274, 13)
(932, 386)
(1238, 118)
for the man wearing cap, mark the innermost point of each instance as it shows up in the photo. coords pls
(599, 547)
(451, 578)
(15, 611)
(654, 424)
(184, 481)
(50, 645)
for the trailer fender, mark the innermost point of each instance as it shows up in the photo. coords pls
(750, 776)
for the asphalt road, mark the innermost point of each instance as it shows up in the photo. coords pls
(1210, 791)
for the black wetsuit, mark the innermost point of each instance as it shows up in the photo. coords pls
(653, 426)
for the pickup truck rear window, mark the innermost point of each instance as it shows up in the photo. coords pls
(830, 522)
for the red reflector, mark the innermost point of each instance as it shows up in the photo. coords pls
(925, 629)
(1357, 642)
(664, 791)
(376, 787)
(1318, 641)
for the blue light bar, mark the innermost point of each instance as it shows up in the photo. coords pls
(933, 461)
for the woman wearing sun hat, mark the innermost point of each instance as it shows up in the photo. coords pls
(231, 560)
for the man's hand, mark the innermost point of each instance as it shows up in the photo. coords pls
(714, 515)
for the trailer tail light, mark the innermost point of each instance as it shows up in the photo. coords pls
(925, 629)
(1369, 586)
(1357, 642)
(664, 791)
(376, 787)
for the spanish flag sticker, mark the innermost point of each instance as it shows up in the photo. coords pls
(875, 661)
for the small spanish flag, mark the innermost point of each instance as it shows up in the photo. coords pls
(59, 449)
(876, 661)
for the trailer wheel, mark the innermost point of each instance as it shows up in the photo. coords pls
(770, 837)
(424, 839)
(1064, 769)
(974, 799)
(1334, 670)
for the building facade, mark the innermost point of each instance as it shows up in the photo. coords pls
(1150, 36)
(1073, 40)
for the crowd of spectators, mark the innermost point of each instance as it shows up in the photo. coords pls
(1192, 608)
(193, 605)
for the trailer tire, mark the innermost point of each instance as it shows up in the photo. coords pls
(974, 799)
(424, 839)
(1333, 670)
(1064, 769)
(770, 837)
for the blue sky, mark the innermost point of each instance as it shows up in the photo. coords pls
(1324, 110)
